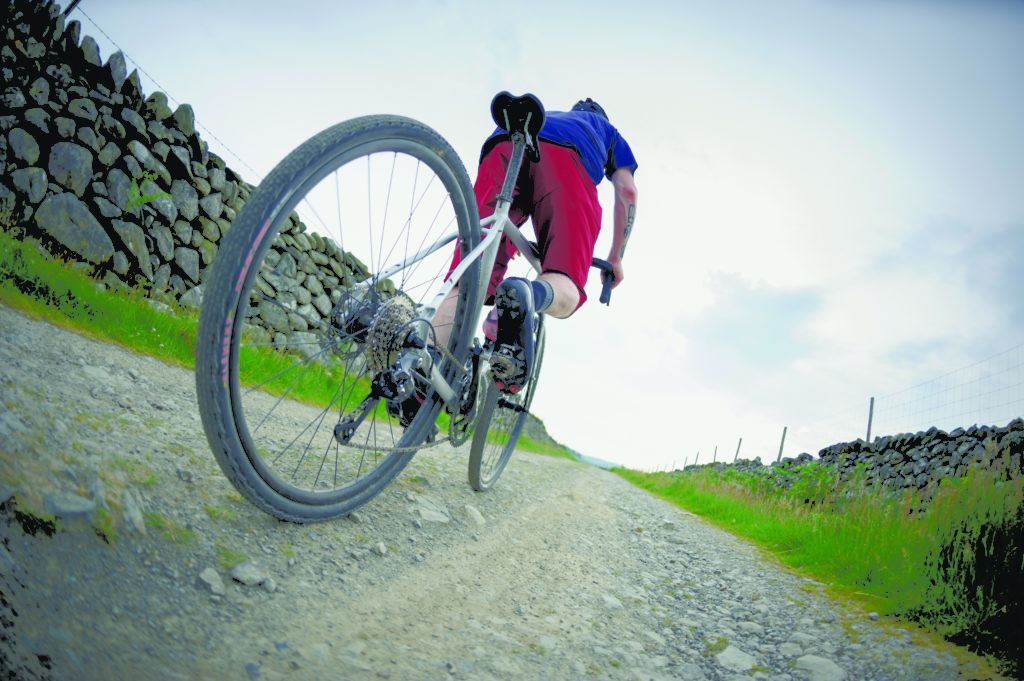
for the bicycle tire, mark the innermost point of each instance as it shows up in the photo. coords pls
(501, 421)
(249, 407)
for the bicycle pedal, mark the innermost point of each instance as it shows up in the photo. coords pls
(508, 367)
(504, 366)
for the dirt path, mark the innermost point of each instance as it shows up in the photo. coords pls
(562, 571)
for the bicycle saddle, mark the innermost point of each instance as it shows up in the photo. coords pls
(520, 114)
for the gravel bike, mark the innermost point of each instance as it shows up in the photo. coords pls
(306, 334)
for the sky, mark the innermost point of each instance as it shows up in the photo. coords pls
(830, 193)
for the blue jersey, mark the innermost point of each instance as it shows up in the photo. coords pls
(600, 147)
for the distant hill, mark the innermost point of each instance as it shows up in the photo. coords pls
(535, 430)
(593, 461)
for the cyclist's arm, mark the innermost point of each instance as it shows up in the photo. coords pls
(623, 218)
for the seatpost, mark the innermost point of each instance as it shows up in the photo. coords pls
(514, 164)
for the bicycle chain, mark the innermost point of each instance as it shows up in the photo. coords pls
(425, 445)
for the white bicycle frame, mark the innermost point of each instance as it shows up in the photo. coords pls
(494, 227)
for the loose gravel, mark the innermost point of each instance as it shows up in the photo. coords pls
(562, 571)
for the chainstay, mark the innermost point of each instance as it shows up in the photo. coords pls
(426, 445)
(451, 358)
(394, 450)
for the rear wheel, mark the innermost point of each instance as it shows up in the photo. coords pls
(313, 298)
(501, 422)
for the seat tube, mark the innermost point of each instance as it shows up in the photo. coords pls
(514, 165)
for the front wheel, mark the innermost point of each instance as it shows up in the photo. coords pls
(501, 422)
(314, 292)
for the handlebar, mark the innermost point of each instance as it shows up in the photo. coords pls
(607, 279)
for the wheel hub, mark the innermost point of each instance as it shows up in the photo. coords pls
(353, 316)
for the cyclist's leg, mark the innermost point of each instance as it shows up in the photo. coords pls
(567, 295)
(567, 219)
(489, 180)
(444, 316)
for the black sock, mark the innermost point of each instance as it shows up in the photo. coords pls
(543, 295)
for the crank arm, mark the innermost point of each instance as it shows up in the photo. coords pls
(505, 404)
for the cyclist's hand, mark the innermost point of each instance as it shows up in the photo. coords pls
(617, 269)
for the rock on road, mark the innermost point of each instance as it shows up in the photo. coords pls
(562, 571)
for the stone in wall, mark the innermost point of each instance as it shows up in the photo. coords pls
(916, 460)
(68, 220)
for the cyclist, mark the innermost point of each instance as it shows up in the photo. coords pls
(578, 148)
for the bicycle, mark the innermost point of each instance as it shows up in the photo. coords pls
(300, 344)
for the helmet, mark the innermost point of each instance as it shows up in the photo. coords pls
(589, 105)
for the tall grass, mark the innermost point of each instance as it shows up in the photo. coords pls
(950, 557)
(64, 294)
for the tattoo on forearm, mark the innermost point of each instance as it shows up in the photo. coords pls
(630, 214)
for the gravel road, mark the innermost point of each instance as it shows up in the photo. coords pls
(562, 571)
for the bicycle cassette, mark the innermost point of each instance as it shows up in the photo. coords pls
(388, 332)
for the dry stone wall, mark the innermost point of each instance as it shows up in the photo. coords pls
(908, 460)
(75, 132)
(915, 460)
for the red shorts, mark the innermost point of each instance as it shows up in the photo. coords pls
(562, 200)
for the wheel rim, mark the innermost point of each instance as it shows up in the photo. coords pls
(499, 445)
(379, 202)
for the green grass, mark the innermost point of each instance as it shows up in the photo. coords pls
(219, 512)
(169, 530)
(64, 294)
(228, 557)
(934, 556)
(713, 647)
(136, 472)
(545, 448)
(104, 525)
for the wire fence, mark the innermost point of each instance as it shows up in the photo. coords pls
(988, 392)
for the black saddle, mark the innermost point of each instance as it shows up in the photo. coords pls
(520, 114)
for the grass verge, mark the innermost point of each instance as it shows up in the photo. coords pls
(63, 294)
(949, 558)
